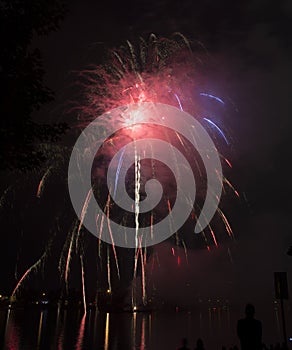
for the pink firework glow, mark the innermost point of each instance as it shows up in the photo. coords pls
(159, 70)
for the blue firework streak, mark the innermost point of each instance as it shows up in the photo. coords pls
(212, 97)
(218, 129)
(207, 120)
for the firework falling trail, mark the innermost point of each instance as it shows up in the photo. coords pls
(227, 162)
(74, 240)
(179, 102)
(213, 97)
(137, 195)
(42, 182)
(221, 132)
(111, 235)
(83, 284)
(213, 235)
(75, 237)
(108, 269)
(226, 223)
(84, 210)
(31, 269)
(218, 129)
(138, 239)
(136, 77)
(134, 287)
(67, 265)
(169, 208)
(118, 172)
(143, 277)
(231, 186)
(137, 209)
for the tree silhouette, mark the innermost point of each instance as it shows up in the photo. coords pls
(21, 81)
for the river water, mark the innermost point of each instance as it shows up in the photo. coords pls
(57, 328)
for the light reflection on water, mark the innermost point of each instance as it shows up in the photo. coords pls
(29, 329)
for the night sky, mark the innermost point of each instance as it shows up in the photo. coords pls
(249, 44)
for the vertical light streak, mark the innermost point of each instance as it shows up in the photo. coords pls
(83, 283)
(40, 330)
(143, 261)
(106, 336)
(111, 235)
(108, 269)
(142, 345)
(137, 194)
(68, 259)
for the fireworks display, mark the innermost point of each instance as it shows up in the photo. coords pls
(156, 71)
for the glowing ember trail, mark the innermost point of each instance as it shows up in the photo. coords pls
(83, 284)
(67, 266)
(163, 71)
(42, 182)
(31, 269)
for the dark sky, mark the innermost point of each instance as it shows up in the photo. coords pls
(251, 45)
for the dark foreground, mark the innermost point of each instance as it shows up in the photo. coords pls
(59, 328)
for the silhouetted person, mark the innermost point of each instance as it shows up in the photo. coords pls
(184, 345)
(249, 330)
(200, 345)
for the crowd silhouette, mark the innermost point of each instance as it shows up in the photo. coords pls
(249, 332)
(200, 346)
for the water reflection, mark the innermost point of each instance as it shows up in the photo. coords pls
(81, 334)
(11, 333)
(40, 328)
(106, 332)
(61, 328)
(57, 328)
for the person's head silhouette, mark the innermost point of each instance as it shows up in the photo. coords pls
(200, 344)
(249, 311)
